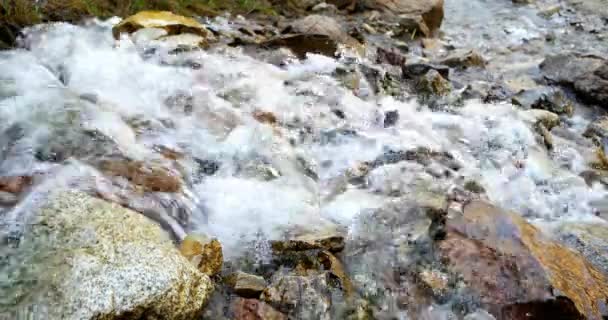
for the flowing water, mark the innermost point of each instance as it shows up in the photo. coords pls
(69, 81)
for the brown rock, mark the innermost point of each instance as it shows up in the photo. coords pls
(252, 309)
(149, 177)
(247, 285)
(432, 83)
(335, 268)
(206, 254)
(464, 59)
(514, 269)
(322, 25)
(15, 184)
(265, 117)
(328, 238)
(390, 56)
(301, 44)
(431, 11)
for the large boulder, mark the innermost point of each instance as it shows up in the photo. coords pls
(588, 75)
(323, 25)
(515, 271)
(430, 11)
(83, 258)
(314, 34)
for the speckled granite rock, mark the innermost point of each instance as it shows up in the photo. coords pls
(84, 258)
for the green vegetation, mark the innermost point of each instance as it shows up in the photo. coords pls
(16, 14)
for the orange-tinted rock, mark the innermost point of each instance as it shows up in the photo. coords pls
(516, 271)
(252, 309)
(149, 177)
(203, 252)
(15, 185)
(265, 117)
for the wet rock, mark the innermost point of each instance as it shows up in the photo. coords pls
(433, 84)
(252, 309)
(335, 268)
(173, 24)
(83, 258)
(415, 70)
(301, 44)
(479, 315)
(8, 199)
(301, 297)
(587, 75)
(421, 155)
(429, 11)
(265, 117)
(546, 136)
(517, 272)
(147, 176)
(83, 144)
(382, 81)
(247, 285)
(322, 25)
(546, 99)
(328, 237)
(206, 254)
(597, 129)
(474, 186)
(566, 69)
(590, 239)
(391, 118)
(544, 117)
(15, 184)
(391, 57)
(464, 59)
(593, 87)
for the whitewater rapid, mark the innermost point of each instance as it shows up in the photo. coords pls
(270, 177)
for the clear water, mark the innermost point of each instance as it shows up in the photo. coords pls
(71, 79)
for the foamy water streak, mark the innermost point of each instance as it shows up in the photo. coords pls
(74, 78)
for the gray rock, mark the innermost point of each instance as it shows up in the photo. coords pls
(597, 129)
(84, 258)
(430, 12)
(322, 25)
(590, 239)
(593, 87)
(464, 59)
(432, 83)
(327, 237)
(301, 297)
(544, 98)
(588, 75)
(566, 69)
(7, 199)
(248, 285)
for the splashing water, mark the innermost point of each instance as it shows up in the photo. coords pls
(269, 177)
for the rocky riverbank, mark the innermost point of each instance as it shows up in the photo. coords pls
(306, 160)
